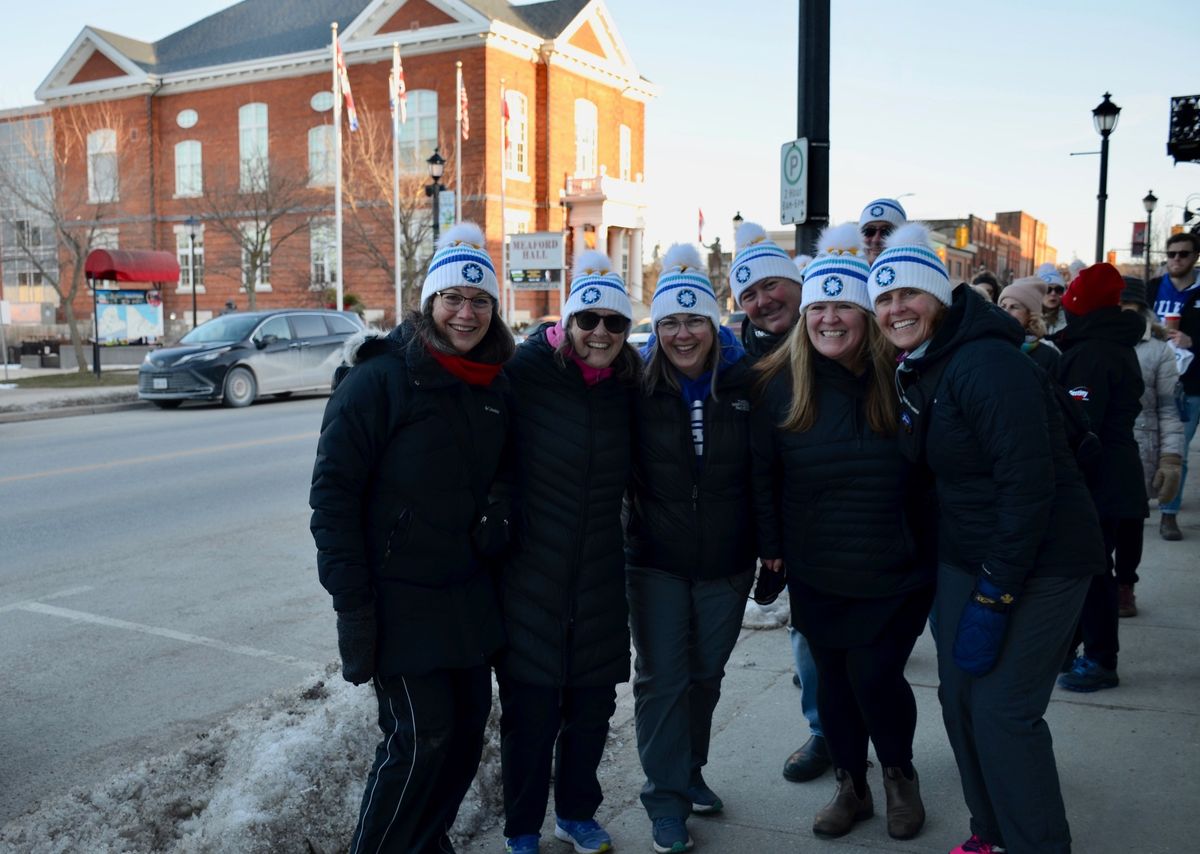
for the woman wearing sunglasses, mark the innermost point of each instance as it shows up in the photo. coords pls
(1053, 317)
(411, 439)
(836, 497)
(563, 589)
(689, 548)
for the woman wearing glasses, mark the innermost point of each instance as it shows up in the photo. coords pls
(411, 439)
(1018, 538)
(563, 589)
(834, 495)
(689, 548)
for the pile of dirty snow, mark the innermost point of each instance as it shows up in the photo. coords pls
(772, 616)
(284, 774)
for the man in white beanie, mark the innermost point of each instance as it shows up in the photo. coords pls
(877, 220)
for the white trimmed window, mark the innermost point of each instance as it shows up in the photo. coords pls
(320, 156)
(626, 137)
(322, 245)
(189, 174)
(102, 166)
(262, 279)
(252, 146)
(419, 135)
(516, 159)
(517, 221)
(586, 138)
(189, 260)
(105, 238)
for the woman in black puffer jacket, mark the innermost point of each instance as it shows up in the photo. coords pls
(690, 541)
(411, 440)
(563, 589)
(1018, 537)
(831, 493)
(1100, 370)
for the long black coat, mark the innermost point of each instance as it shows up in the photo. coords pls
(1100, 369)
(563, 589)
(1009, 493)
(393, 505)
(833, 500)
(688, 517)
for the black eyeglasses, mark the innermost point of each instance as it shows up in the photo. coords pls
(1181, 253)
(1056, 289)
(872, 230)
(454, 301)
(589, 320)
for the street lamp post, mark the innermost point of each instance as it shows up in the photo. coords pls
(437, 165)
(1149, 203)
(1104, 116)
(190, 222)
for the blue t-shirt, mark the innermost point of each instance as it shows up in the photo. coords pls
(1167, 300)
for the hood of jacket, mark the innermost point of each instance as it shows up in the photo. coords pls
(1110, 323)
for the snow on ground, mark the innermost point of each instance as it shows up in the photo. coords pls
(284, 774)
(772, 616)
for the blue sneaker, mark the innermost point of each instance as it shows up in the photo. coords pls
(588, 837)
(704, 800)
(526, 844)
(670, 835)
(1087, 675)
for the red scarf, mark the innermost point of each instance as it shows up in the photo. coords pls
(472, 373)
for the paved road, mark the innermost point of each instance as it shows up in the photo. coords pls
(156, 572)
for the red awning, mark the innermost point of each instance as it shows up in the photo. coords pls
(128, 265)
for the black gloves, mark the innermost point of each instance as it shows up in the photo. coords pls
(981, 628)
(356, 643)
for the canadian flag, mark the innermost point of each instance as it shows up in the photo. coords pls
(504, 115)
(398, 92)
(700, 238)
(462, 110)
(344, 78)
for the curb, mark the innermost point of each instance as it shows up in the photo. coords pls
(70, 411)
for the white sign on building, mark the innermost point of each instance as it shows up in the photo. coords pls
(793, 182)
(536, 261)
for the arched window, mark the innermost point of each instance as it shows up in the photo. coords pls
(419, 135)
(516, 161)
(586, 135)
(189, 172)
(252, 146)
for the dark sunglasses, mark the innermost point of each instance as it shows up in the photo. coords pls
(589, 320)
(881, 230)
(1182, 253)
(1056, 289)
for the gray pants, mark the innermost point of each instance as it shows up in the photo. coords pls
(683, 632)
(1002, 744)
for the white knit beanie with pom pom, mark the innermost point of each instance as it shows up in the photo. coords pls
(595, 285)
(683, 287)
(909, 261)
(460, 261)
(757, 258)
(839, 272)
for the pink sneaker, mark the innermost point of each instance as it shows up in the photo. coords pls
(975, 845)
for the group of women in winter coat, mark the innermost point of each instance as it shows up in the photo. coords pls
(535, 512)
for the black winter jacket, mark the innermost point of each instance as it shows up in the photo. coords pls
(831, 501)
(1010, 496)
(1100, 369)
(393, 504)
(694, 520)
(563, 588)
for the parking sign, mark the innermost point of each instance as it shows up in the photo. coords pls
(793, 182)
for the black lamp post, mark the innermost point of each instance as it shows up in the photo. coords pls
(1104, 116)
(191, 223)
(1149, 203)
(437, 165)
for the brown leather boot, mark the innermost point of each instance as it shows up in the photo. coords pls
(905, 812)
(846, 808)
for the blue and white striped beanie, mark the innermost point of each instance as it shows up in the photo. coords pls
(460, 261)
(909, 262)
(839, 272)
(757, 258)
(683, 287)
(883, 210)
(595, 285)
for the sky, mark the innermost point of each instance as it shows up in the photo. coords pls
(957, 107)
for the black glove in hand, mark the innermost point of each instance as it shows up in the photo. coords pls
(356, 643)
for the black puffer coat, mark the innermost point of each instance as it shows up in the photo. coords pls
(1009, 493)
(1100, 369)
(691, 519)
(563, 589)
(832, 500)
(393, 504)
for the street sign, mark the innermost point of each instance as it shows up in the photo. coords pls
(793, 182)
(5, 316)
(536, 261)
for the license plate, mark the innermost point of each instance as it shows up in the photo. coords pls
(160, 383)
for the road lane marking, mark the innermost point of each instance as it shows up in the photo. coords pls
(199, 640)
(57, 594)
(156, 458)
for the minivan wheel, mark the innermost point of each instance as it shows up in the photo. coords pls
(240, 388)
(167, 404)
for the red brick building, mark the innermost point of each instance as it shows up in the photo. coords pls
(229, 122)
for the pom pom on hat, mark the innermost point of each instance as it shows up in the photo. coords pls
(757, 258)
(595, 285)
(1049, 274)
(460, 261)
(1028, 291)
(909, 261)
(801, 261)
(1073, 268)
(839, 272)
(1097, 286)
(883, 210)
(683, 287)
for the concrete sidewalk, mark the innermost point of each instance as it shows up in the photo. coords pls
(28, 404)
(1126, 756)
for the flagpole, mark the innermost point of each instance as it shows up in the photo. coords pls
(395, 89)
(337, 157)
(458, 142)
(509, 298)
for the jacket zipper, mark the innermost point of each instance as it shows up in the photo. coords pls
(573, 579)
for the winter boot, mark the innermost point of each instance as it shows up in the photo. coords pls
(846, 808)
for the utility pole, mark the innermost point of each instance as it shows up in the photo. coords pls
(812, 117)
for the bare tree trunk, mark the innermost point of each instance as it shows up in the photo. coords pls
(76, 340)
